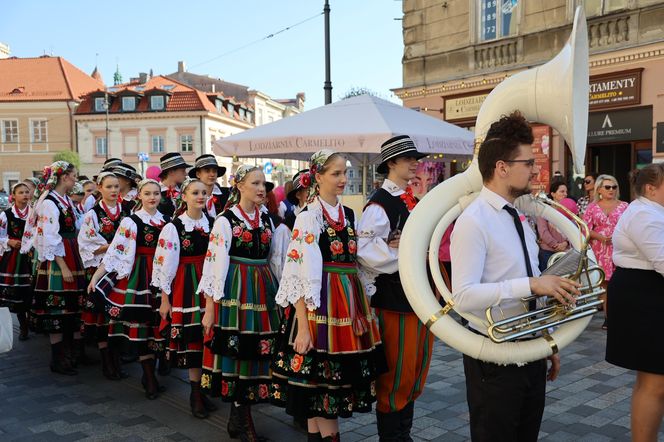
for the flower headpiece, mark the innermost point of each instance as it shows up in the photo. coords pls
(101, 177)
(47, 182)
(240, 174)
(316, 163)
(180, 205)
(140, 186)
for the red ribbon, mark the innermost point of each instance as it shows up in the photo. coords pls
(408, 198)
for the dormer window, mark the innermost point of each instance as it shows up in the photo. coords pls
(250, 116)
(230, 108)
(157, 102)
(242, 113)
(100, 104)
(219, 105)
(128, 104)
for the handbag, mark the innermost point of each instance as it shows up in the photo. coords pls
(6, 330)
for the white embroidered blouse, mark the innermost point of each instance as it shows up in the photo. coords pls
(167, 255)
(4, 237)
(121, 253)
(217, 258)
(47, 241)
(303, 271)
(89, 239)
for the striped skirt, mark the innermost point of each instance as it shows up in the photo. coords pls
(15, 281)
(337, 377)
(186, 334)
(56, 303)
(133, 307)
(236, 361)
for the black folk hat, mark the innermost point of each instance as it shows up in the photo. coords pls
(110, 163)
(207, 160)
(397, 147)
(269, 186)
(297, 185)
(124, 170)
(171, 161)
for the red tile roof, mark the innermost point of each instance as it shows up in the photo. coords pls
(43, 79)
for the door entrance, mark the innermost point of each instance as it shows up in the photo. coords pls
(616, 160)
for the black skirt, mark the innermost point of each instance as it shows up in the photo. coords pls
(635, 309)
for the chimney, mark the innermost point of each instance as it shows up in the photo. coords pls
(213, 88)
(142, 77)
(181, 67)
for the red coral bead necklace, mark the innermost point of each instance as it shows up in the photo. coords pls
(252, 223)
(112, 216)
(336, 225)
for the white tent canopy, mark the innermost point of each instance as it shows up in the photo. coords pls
(356, 126)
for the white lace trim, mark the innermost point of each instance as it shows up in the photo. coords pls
(146, 217)
(368, 280)
(293, 287)
(212, 287)
(162, 280)
(113, 263)
(48, 252)
(89, 258)
(190, 224)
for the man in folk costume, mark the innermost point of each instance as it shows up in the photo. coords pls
(208, 171)
(172, 175)
(407, 342)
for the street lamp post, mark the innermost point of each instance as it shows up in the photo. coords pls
(328, 81)
(107, 129)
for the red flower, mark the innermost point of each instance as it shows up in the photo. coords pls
(174, 332)
(296, 234)
(352, 246)
(149, 237)
(186, 243)
(337, 247)
(265, 347)
(309, 238)
(262, 391)
(296, 363)
(120, 247)
(237, 231)
(127, 233)
(208, 253)
(224, 388)
(114, 311)
(107, 228)
(247, 236)
(69, 221)
(294, 255)
(265, 236)
(305, 180)
(162, 243)
(106, 221)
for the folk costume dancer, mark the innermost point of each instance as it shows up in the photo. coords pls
(60, 280)
(297, 197)
(99, 226)
(208, 171)
(407, 342)
(176, 271)
(241, 313)
(128, 179)
(172, 175)
(494, 254)
(329, 352)
(16, 267)
(131, 303)
(89, 200)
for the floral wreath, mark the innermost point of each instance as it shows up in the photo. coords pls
(308, 179)
(240, 174)
(47, 182)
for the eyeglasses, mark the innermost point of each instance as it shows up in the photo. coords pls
(588, 181)
(614, 187)
(529, 163)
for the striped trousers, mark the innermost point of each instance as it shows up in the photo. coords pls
(408, 346)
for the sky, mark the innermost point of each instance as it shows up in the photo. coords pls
(217, 38)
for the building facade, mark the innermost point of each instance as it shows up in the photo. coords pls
(38, 99)
(457, 51)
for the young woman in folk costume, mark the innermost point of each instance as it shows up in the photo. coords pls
(208, 171)
(239, 288)
(99, 226)
(131, 303)
(60, 280)
(15, 267)
(176, 270)
(329, 354)
(127, 177)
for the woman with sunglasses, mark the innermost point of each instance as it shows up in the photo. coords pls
(602, 215)
(589, 187)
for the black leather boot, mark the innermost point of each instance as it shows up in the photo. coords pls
(149, 380)
(78, 355)
(59, 363)
(388, 426)
(116, 360)
(196, 401)
(314, 437)
(406, 422)
(107, 367)
(332, 438)
(241, 425)
(23, 323)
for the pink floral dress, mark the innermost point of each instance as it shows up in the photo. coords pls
(603, 224)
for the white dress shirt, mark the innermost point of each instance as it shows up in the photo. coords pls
(487, 258)
(638, 239)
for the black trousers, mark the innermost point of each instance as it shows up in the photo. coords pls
(506, 403)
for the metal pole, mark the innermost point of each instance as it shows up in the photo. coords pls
(328, 81)
(107, 129)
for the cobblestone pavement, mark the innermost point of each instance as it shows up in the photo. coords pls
(589, 402)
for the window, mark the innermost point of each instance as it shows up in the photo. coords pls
(212, 140)
(495, 19)
(157, 143)
(100, 146)
(260, 116)
(219, 105)
(37, 131)
(9, 131)
(599, 7)
(100, 104)
(186, 143)
(230, 108)
(128, 104)
(351, 174)
(250, 116)
(157, 102)
(242, 113)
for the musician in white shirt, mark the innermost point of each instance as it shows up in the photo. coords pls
(492, 269)
(635, 295)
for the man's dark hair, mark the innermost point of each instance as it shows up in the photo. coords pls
(502, 142)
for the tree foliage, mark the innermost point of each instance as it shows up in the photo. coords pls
(68, 156)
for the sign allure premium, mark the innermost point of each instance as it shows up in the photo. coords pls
(615, 89)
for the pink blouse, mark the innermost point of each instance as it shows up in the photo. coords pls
(603, 224)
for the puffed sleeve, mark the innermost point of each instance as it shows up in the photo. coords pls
(166, 259)
(217, 260)
(373, 253)
(28, 239)
(121, 253)
(279, 249)
(303, 269)
(48, 242)
(89, 240)
(4, 238)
